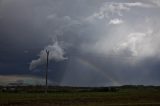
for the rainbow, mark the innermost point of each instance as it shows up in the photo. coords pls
(97, 69)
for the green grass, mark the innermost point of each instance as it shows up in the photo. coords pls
(135, 97)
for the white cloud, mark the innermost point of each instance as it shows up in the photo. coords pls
(56, 53)
(116, 21)
(136, 44)
(131, 43)
(138, 4)
(110, 8)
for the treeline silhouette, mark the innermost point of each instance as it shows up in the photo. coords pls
(40, 89)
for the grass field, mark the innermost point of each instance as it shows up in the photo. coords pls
(124, 97)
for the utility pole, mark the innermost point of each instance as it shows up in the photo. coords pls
(46, 88)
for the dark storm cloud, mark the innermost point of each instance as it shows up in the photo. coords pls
(106, 42)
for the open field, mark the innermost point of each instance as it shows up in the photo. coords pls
(122, 97)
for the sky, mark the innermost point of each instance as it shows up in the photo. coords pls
(91, 42)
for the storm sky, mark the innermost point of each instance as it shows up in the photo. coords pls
(91, 42)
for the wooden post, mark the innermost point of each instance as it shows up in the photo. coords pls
(46, 88)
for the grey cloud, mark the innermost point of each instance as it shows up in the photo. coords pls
(99, 53)
(93, 37)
